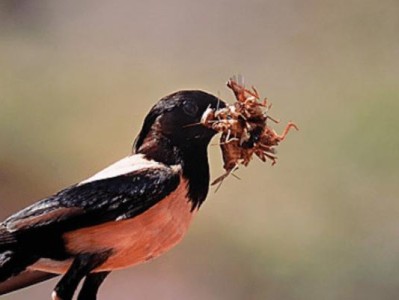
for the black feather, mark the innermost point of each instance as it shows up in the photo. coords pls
(87, 205)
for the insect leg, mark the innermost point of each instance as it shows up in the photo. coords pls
(286, 130)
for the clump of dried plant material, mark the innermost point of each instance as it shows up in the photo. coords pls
(244, 129)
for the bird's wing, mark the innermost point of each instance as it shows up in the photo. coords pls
(124, 190)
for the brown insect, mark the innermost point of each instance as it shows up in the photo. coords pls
(244, 129)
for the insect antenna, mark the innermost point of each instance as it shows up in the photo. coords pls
(235, 176)
(221, 178)
(273, 119)
(192, 124)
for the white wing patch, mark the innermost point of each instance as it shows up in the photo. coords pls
(124, 166)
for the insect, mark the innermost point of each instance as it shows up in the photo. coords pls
(244, 129)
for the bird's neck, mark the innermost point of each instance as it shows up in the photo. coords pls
(192, 157)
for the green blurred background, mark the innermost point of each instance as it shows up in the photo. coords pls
(78, 77)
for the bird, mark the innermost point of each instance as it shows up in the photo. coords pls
(130, 212)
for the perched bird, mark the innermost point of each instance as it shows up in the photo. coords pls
(128, 213)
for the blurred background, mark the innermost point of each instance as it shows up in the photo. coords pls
(78, 77)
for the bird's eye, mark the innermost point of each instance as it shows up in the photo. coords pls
(190, 108)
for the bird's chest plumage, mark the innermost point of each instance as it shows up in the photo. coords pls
(134, 240)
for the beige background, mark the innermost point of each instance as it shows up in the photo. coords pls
(78, 77)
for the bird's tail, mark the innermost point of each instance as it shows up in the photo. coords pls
(11, 264)
(13, 259)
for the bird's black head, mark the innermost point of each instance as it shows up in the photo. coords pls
(176, 119)
(172, 134)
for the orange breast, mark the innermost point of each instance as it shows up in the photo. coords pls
(134, 240)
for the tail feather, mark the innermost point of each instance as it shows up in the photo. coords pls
(24, 279)
(13, 259)
(11, 264)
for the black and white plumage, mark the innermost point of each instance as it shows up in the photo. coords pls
(129, 213)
